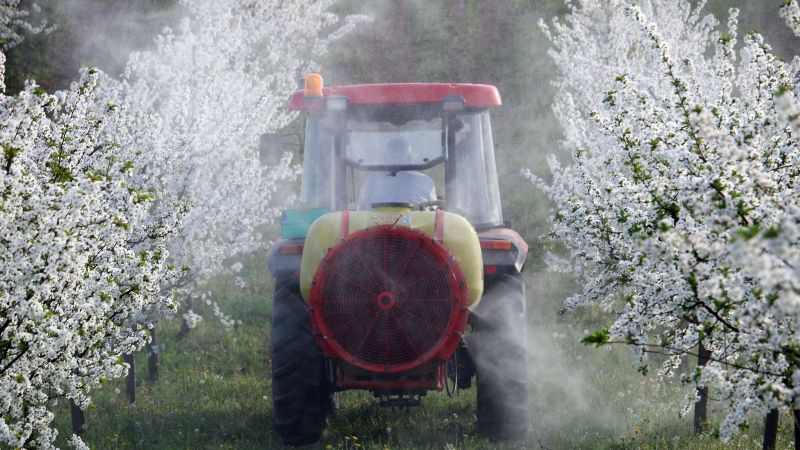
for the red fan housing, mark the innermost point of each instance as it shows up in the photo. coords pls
(389, 299)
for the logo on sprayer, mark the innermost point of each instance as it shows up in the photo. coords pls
(380, 219)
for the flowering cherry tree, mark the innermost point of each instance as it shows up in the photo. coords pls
(680, 207)
(79, 260)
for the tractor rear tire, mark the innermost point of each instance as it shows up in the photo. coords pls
(498, 346)
(301, 398)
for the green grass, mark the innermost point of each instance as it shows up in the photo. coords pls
(214, 392)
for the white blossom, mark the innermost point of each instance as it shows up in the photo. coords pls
(791, 14)
(191, 319)
(14, 24)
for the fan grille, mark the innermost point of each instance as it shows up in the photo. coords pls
(388, 299)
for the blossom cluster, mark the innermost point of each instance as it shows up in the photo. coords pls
(680, 206)
(14, 23)
(790, 12)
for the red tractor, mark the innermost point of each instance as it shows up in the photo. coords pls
(381, 283)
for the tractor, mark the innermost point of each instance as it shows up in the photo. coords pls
(397, 273)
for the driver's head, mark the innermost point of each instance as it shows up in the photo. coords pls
(397, 151)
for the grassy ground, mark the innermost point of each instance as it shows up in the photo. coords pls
(214, 392)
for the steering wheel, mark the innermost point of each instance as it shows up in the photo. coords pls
(430, 205)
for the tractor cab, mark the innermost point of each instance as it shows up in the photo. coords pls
(373, 133)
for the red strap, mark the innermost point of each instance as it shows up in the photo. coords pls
(438, 232)
(345, 231)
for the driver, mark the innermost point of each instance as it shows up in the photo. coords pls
(410, 187)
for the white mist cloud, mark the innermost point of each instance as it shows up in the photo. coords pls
(106, 32)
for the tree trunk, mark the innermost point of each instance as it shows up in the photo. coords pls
(796, 414)
(152, 357)
(701, 406)
(771, 430)
(78, 418)
(130, 380)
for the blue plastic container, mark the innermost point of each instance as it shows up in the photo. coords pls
(295, 222)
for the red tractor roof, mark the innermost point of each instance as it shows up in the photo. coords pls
(475, 95)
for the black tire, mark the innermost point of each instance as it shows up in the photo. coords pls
(300, 395)
(498, 346)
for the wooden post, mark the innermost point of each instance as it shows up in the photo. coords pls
(130, 380)
(796, 414)
(701, 406)
(771, 430)
(78, 418)
(152, 357)
(184, 331)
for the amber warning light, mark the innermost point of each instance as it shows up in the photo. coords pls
(313, 85)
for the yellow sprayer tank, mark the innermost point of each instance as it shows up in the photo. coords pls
(457, 236)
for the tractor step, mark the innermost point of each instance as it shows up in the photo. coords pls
(399, 401)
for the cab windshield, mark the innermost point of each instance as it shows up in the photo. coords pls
(397, 138)
(343, 158)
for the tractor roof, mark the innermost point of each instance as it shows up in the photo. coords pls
(474, 95)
